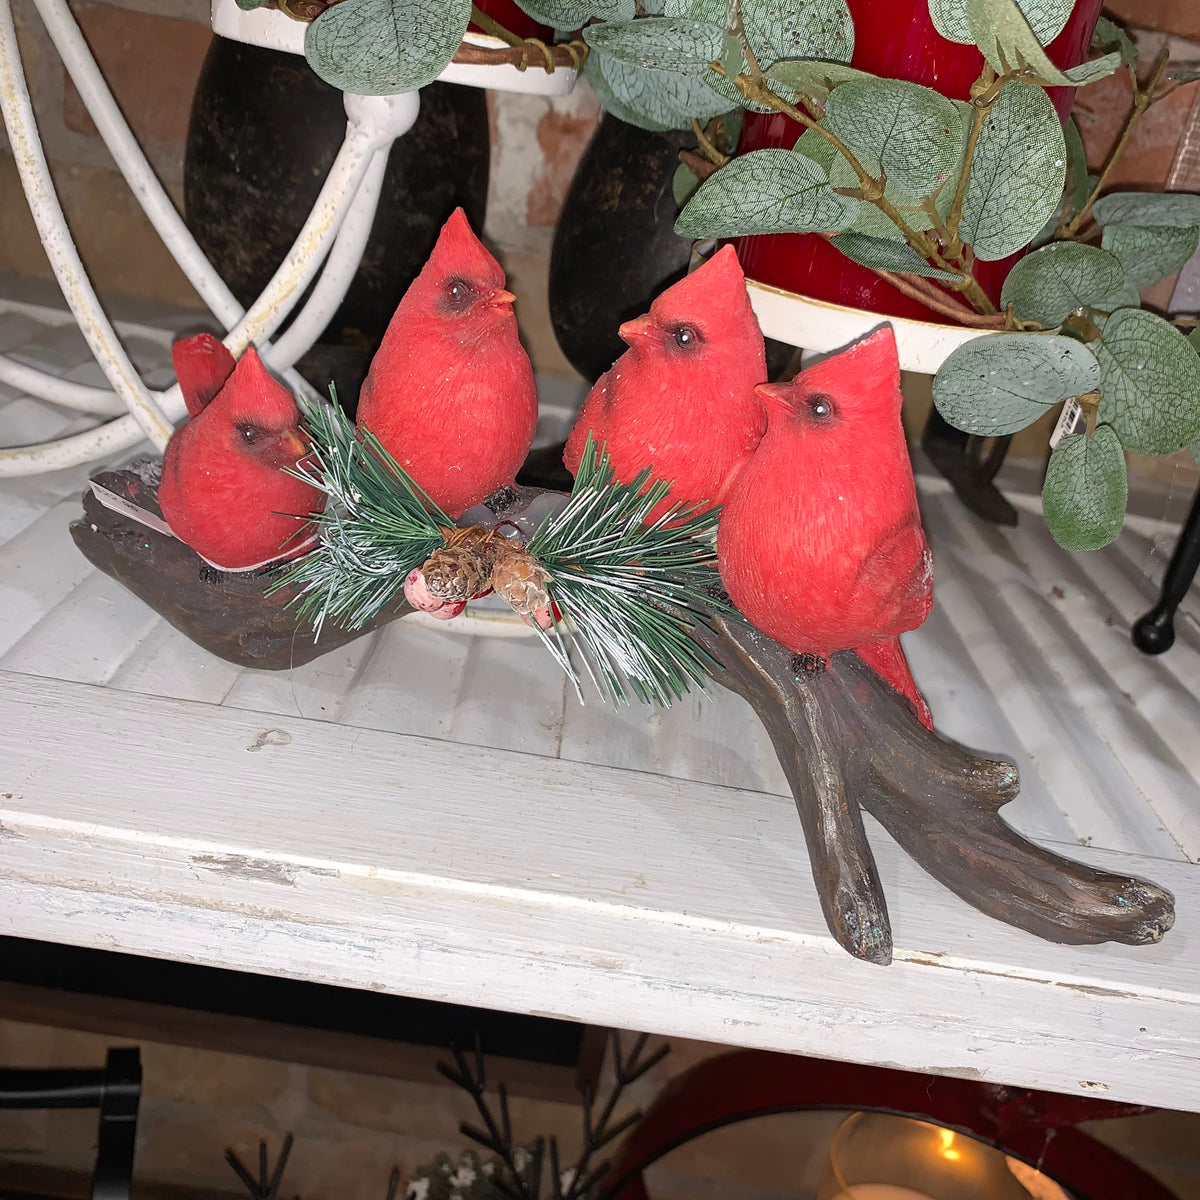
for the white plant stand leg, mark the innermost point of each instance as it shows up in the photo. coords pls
(341, 218)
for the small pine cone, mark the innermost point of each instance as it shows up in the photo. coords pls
(519, 578)
(457, 572)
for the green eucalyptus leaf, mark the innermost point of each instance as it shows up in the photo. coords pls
(776, 30)
(1110, 36)
(1046, 17)
(654, 100)
(1051, 283)
(608, 99)
(684, 183)
(909, 133)
(250, 5)
(766, 191)
(1017, 173)
(1086, 490)
(996, 385)
(1184, 76)
(812, 144)
(781, 29)
(1079, 186)
(658, 43)
(1001, 31)
(886, 254)
(817, 76)
(1148, 208)
(1149, 382)
(1150, 253)
(380, 47)
(574, 14)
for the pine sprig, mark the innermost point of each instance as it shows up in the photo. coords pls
(377, 524)
(632, 591)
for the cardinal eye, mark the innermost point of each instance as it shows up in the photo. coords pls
(821, 407)
(250, 433)
(460, 295)
(686, 338)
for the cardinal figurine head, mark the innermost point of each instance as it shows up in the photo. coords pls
(681, 399)
(225, 491)
(460, 289)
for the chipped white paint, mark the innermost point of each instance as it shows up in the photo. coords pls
(482, 876)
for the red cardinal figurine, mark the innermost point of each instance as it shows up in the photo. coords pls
(450, 393)
(820, 541)
(681, 398)
(222, 479)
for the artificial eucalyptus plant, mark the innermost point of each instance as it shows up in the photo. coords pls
(919, 188)
(913, 185)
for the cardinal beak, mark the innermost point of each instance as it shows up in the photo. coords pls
(639, 329)
(294, 446)
(774, 396)
(499, 298)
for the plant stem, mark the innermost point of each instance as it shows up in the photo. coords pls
(939, 302)
(1143, 97)
(710, 151)
(490, 25)
(982, 106)
(872, 190)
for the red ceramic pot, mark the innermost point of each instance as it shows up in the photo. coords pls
(895, 39)
(513, 19)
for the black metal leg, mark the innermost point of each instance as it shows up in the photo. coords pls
(970, 465)
(115, 1091)
(122, 1091)
(1155, 632)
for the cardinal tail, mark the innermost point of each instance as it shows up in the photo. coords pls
(202, 365)
(887, 660)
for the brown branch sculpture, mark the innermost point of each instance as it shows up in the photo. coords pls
(846, 742)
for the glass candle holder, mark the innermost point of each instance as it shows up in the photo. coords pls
(874, 1156)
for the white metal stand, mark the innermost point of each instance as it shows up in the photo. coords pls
(335, 234)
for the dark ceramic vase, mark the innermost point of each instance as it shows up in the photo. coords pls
(615, 247)
(264, 131)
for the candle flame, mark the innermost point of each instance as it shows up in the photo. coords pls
(947, 1147)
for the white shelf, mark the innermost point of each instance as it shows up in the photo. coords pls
(436, 816)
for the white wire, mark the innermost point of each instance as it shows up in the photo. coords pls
(58, 244)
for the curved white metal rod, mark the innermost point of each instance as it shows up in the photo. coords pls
(60, 248)
(330, 289)
(380, 123)
(112, 437)
(79, 396)
(131, 161)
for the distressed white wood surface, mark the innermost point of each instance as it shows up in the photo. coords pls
(442, 819)
(409, 864)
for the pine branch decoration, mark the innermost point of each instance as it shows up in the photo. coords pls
(633, 592)
(630, 592)
(377, 525)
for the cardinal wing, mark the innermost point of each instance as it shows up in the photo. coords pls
(896, 578)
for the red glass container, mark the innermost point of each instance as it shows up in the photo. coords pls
(895, 39)
(513, 19)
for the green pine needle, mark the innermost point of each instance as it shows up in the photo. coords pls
(633, 592)
(377, 525)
